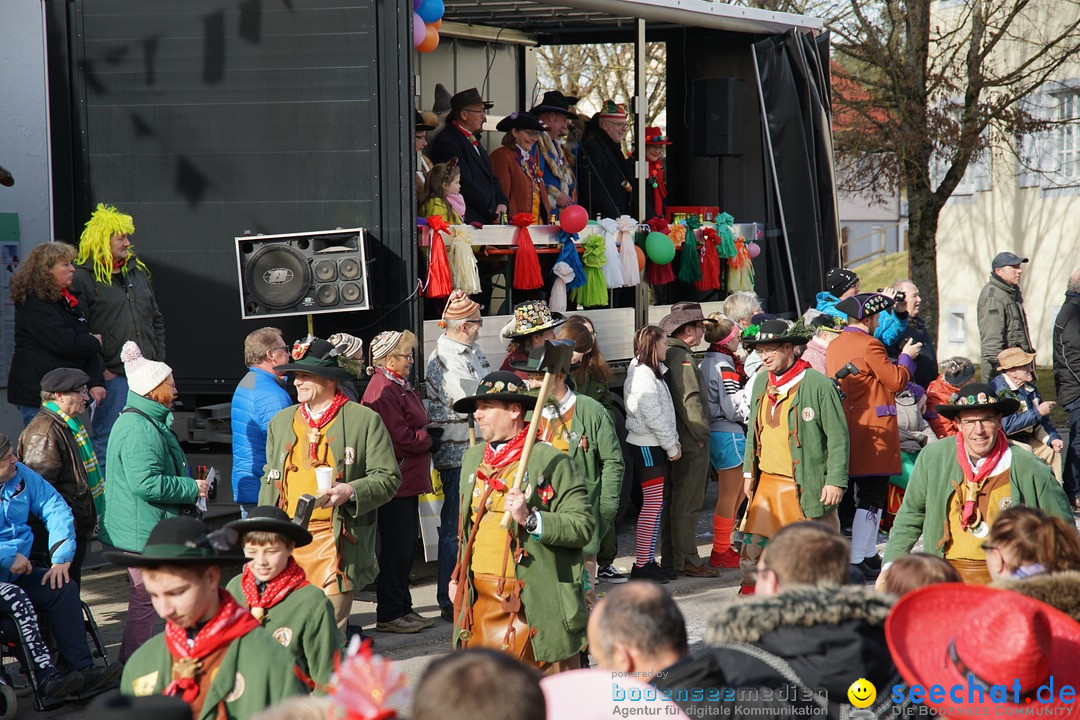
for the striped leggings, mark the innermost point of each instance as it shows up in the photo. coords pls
(651, 468)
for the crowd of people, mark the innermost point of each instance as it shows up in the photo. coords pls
(819, 432)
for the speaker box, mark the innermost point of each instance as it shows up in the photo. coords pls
(302, 273)
(716, 111)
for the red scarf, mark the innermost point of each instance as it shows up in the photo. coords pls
(969, 514)
(466, 133)
(775, 383)
(291, 578)
(229, 623)
(72, 301)
(495, 461)
(659, 189)
(396, 377)
(323, 421)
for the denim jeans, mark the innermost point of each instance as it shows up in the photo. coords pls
(27, 413)
(105, 415)
(1070, 475)
(246, 508)
(448, 540)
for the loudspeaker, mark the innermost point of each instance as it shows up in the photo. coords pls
(302, 273)
(717, 130)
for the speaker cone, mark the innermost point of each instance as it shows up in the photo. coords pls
(349, 269)
(326, 295)
(351, 293)
(277, 276)
(325, 271)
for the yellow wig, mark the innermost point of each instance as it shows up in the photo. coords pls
(94, 246)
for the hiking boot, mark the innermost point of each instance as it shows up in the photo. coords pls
(425, 622)
(609, 574)
(399, 625)
(869, 574)
(727, 559)
(96, 677)
(873, 562)
(57, 685)
(700, 571)
(649, 571)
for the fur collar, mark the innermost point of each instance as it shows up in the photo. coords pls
(1060, 590)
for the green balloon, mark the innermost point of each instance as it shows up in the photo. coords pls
(659, 248)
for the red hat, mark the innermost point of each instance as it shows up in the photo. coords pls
(974, 636)
(655, 136)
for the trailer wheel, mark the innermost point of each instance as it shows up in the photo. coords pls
(8, 702)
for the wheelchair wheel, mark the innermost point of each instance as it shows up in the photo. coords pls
(8, 702)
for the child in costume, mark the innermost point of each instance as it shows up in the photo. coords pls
(442, 193)
(276, 591)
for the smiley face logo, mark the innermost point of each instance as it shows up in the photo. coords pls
(862, 693)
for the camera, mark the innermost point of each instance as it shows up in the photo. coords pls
(899, 297)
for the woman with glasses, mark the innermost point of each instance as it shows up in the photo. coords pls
(605, 174)
(516, 165)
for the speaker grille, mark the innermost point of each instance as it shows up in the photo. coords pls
(325, 271)
(326, 295)
(349, 269)
(351, 293)
(277, 276)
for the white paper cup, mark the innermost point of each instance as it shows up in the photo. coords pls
(324, 477)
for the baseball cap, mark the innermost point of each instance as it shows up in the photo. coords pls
(1003, 259)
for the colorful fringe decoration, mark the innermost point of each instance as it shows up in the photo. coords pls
(677, 233)
(690, 265)
(438, 283)
(658, 224)
(527, 274)
(710, 261)
(568, 254)
(725, 227)
(594, 292)
(563, 275)
(463, 266)
(658, 274)
(740, 268)
(627, 251)
(613, 270)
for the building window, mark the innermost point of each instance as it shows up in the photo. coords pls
(1067, 135)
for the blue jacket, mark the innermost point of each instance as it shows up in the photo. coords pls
(889, 326)
(1027, 418)
(20, 496)
(258, 398)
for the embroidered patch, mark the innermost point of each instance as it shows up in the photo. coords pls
(283, 635)
(239, 686)
(687, 363)
(350, 455)
(300, 348)
(1005, 503)
(144, 686)
(807, 414)
(275, 474)
(544, 490)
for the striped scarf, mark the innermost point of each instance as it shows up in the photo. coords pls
(94, 478)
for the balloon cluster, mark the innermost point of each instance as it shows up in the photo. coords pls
(426, 21)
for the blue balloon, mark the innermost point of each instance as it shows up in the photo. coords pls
(431, 10)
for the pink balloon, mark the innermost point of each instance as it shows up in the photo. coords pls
(419, 32)
(573, 219)
(753, 249)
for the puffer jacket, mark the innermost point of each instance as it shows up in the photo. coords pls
(24, 494)
(147, 477)
(48, 448)
(890, 325)
(650, 414)
(258, 398)
(404, 415)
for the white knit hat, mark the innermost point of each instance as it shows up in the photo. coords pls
(143, 375)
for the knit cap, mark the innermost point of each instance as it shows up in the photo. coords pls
(143, 375)
(460, 306)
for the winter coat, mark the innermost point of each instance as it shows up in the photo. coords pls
(1060, 590)
(721, 385)
(869, 402)
(404, 415)
(26, 494)
(1027, 417)
(817, 438)
(516, 185)
(147, 474)
(1002, 323)
(363, 457)
(687, 395)
(650, 414)
(48, 448)
(50, 335)
(1067, 351)
(814, 353)
(454, 369)
(926, 364)
(925, 507)
(890, 324)
(257, 399)
(479, 186)
(915, 432)
(121, 310)
(940, 392)
(602, 170)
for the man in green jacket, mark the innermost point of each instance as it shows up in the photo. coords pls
(1000, 313)
(213, 653)
(685, 326)
(521, 589)
(797, 446)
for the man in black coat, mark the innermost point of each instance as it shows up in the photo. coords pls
(605, 175)
(484, 197)
(1067, 380)
(926, 365)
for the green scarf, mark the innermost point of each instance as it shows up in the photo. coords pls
(86, 450)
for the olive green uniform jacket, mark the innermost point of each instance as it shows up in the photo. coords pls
(364, 458)
(553, 596)
(687, 387)
(304, 623)
(255, 673)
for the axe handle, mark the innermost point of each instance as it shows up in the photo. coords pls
(472, 430)
(530, 440)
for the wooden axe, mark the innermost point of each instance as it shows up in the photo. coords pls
(556, 360)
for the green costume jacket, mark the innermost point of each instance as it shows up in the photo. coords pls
(926, 501)
(687, 387)
(255, 673)
(304, 623)
(553, 596)
(364, 458)
(817, 437)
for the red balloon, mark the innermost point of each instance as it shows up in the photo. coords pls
(431, 39)
(640, 258)
(573, 219)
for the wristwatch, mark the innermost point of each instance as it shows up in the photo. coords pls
(532, 522)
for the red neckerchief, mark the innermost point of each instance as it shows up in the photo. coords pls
(118, 265)
(495, 461)
(772, 389)
(323, 421)
(230, 622)
(289, 579)
(969, 514)
(72, 301)
(396, 377)
(466, 133)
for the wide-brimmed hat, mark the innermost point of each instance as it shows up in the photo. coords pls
(1013, 357)
(519, 120)
(269, 518)
(536, 356)
(839, 280)
(531, 317)
(555, 101)
(773, 331)
(655, 136)
(978, 396)
(318, 357)
(422, 124)
(181, 541)
(951, 634)
(863, 305)
(682, 313)
(501, 385)
(465, 98)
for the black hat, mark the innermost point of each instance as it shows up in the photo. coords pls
(270, 518)
(318, 357)
(772, 331)
(499, 385)
(115, 706)
(181, 541)
(555, 101)
(1003, 259)
(520, 121)
(840, 280)
(442, 100)
(536, 356)
(976, 396)
(420, 124)
(465, 98)
(64, 380)
(863, 305)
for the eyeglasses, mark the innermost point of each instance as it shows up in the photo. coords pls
(479, 112)
(83, 391)
(617, 125)
(283, 348)
(970, 423)
(477, 323)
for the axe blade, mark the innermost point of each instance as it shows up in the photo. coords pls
(558, 355)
